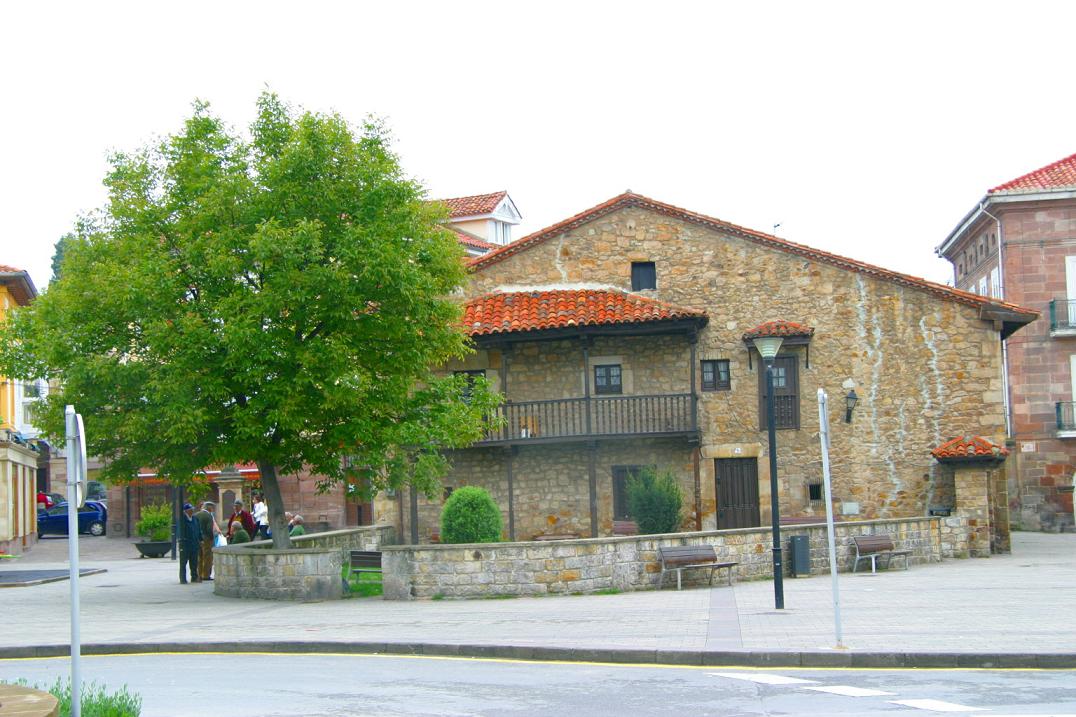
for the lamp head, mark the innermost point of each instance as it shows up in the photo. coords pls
(768, 346)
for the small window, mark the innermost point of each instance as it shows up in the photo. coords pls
(643, 275)
(785, 394)
(814, 491)
(471, 376)
(715, 375)
(607, 379)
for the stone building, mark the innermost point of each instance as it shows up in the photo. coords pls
(623, 337)
(1019, 244)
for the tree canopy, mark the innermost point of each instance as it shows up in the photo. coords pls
(281, 298)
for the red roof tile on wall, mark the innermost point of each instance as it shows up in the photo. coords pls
(969, 447)
(779, 328)
(473, 205)
(471, 240)
(629, 199)
(506, 312)
(1057, 175)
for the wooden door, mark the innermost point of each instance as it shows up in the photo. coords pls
(737, 493)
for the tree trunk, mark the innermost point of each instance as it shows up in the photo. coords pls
(271, 492)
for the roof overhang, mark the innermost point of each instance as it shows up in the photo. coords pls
(1006, 321)
(20, 285)
(990, 200)
(688, 327)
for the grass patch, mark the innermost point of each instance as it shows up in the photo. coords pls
(437, 596)
(361, 584)
(499, 596)
(607, 591)
(95, 699)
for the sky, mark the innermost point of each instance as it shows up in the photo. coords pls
(865, 129)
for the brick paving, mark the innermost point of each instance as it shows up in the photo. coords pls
(1019, 603)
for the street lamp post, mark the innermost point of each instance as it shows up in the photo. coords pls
(768, 346)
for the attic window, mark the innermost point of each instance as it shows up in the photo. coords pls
(643, 275)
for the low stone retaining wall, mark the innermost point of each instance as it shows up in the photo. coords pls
(310, 571)
(631, 563)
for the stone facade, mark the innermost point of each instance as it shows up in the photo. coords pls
(631, 563)
(924, 365)
(1033, 234)
(310, 571)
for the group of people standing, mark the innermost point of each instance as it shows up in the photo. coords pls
(199, 533)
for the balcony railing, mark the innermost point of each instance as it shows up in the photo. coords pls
(580, 418)
(1066, 418)
(1063, 316)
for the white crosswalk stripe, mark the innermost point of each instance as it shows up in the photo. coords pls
(936, 705)
(765, 679)
(849, 691)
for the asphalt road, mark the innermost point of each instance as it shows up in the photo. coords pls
(262, 685)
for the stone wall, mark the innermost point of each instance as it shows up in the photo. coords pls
(925, 368)
(311, 571)
(552, 490)
(631, 563)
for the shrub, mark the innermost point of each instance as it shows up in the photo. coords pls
(94, 699)
(470, 516)
(654, 500)
(156, 522)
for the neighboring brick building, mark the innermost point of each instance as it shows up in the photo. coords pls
(622, 337)
(1019, 244)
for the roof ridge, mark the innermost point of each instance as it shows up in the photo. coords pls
(632, 199)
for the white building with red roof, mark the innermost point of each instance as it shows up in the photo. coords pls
(482, 222)
(1018, 244)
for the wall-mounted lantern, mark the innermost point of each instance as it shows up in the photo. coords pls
(849, 404)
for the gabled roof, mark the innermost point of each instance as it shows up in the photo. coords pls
(965, 448)
(19, 283)
(475, 205)
(517, 311)
(779, 327)
(991, 309)
(1058, 175)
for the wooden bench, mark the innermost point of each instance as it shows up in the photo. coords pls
(625, 527)
(365, 561)
(872, 547)
(684, 557)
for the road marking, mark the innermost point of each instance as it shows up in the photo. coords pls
(849, 691)
(936, 705)
(766, 679)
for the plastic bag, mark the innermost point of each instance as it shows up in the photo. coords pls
(219, 541)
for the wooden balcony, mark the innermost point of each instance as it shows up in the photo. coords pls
(580, 419)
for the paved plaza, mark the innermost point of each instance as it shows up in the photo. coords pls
(1016, 604)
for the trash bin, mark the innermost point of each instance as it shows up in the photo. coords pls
(799, 554)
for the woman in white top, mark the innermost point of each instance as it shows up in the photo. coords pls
(261, 516)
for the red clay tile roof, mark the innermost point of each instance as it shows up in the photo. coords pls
(19, 283)
(1061, 173)
(779, 328)
(474, 205)
(506, 312)
(629, 199)
(5, 269)
(468, 239)
(965, 447)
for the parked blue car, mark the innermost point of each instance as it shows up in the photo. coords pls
(92, 518)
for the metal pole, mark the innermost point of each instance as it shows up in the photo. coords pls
(823, 437)
(775, 510)
(73, 472)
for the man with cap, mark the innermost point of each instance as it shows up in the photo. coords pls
(207, 525)
(245, 519)
(190, 538)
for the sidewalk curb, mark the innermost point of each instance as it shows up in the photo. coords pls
(725, 658)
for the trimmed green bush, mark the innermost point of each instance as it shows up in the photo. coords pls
(470, 516)
(156, 523)
(654, 501)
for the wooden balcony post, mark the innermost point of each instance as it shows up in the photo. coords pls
(511, 455)
(586, 381)
(694, 395)
(592, 480)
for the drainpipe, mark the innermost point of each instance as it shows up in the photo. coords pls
(1004, 345)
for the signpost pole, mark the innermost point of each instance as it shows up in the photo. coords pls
(823, 436)
(74, 473)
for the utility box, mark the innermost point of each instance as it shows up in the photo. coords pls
(799, 556)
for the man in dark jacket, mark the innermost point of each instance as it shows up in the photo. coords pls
(190, 538)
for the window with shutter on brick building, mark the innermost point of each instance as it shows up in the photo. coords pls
(785, 394)
(608, 379)
(644, 275)
(716, 375)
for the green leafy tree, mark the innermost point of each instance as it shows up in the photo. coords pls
(470, 516)
(58, 254)
(280, 299)
(654, 501)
